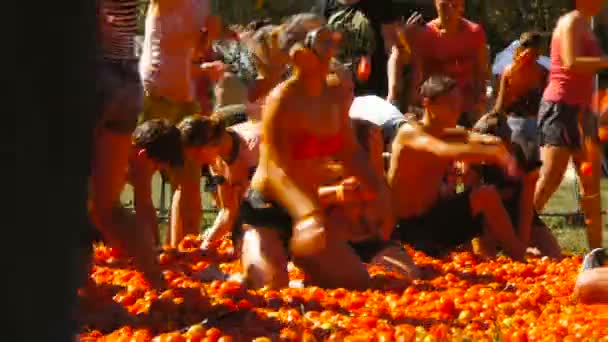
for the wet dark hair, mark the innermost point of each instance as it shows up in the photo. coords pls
(295, 29)
(161, 140)
(436, 86)
(200, 130)
(531, 39)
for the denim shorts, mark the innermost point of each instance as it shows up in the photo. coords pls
(558, 125)
(524, 132)
(120, 93)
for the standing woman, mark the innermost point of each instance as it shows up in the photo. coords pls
(567, 129)
(172, 34)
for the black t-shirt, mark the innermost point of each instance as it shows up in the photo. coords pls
(378, 12)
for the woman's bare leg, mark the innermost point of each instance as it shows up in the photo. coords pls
(591, 201)
(555, 161)
(264, 259)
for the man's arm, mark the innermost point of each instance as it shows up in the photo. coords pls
(416, 139)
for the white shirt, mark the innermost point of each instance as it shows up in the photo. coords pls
(374, 109)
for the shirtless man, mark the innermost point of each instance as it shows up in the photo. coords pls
(418, 164)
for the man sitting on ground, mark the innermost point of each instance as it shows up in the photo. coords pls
(419, 160)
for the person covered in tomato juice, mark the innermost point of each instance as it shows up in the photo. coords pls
(592, 282)
(420, 157)
(304, 126)
(453, 46)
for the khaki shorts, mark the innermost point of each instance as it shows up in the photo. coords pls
(160, 107)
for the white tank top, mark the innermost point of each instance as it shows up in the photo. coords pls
(168, 49)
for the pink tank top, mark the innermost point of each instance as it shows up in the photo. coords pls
(567, 86)
(453, 55)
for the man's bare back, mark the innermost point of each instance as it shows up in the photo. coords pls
(415, 175)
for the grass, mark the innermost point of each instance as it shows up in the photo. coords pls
(570, 235)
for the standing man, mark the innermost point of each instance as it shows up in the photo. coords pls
(453, 46)
(369, 30)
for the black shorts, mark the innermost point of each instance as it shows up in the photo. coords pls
(257, 211)
(558, 125)
(448, 224)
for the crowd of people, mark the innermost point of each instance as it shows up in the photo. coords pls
(314, 161)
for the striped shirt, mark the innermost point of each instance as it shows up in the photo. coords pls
(118, 21)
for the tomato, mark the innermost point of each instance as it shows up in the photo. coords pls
(364, 68)
(586, 168)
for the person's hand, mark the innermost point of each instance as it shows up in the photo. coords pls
(214, 70)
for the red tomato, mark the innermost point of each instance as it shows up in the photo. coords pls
(364, 69)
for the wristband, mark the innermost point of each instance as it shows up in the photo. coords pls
(312, 213)
(340, 193)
